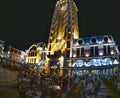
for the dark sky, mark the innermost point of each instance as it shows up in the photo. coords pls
(24, 22)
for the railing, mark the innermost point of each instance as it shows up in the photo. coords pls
(92, 67)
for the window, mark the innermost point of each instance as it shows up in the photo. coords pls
(91, 51)
(82, 52)
(78, 52)
(35, 53)
(96, 51)
(104, 50)
(50, 48)
(68, 36)
(68, 53)
(108, 50)
(68, 44)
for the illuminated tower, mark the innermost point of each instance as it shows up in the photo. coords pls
(64, 28)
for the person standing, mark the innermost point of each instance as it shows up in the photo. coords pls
(64, 88)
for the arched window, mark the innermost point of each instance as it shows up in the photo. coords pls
(33, 48)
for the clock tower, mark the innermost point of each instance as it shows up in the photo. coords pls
(64, 28)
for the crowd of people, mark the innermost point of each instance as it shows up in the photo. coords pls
(81, 86)
(37, 84)
(33, 82)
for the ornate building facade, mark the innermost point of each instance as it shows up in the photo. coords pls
(37, 54)
(16, 54)
(98, 54)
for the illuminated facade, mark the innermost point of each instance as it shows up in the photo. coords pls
(37, 54)
(64, 28)
(16, 54)
(95, 52)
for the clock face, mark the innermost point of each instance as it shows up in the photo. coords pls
(64, 7)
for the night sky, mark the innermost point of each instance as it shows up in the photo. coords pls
(25, 22)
